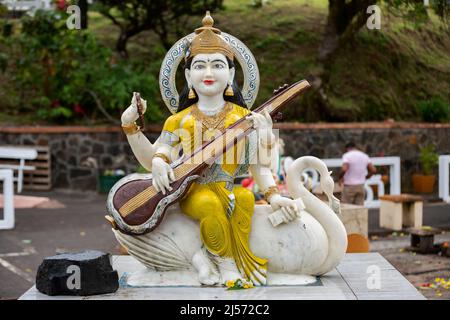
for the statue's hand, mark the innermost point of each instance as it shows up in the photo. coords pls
(162, 174)
(131, 114)
(263, 125)
(261, 121)
(288, 207)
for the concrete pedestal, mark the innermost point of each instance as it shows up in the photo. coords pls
(355, 219)
(401, 210)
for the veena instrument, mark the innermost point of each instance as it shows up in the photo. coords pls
(135, 207)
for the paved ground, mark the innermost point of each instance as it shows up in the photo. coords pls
(81, 225)
(417, 268)
(43, 232)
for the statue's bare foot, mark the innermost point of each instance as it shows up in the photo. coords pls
(228, 270)
(207, 273)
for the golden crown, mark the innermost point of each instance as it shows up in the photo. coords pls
(207, 40)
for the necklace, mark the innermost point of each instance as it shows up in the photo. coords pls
(211, 112)
(216, 121)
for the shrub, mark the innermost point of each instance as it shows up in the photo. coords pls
(434, 110)
(428, 159)
(65, 75)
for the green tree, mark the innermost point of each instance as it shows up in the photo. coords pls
(345, 19)
(63, 75)
(160, 16)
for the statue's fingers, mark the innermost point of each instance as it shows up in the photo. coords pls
(161, 187)
(298, 212)
(260, 120)
(291, 213)
(251, 119)
(285, 219)
(268, 117)
(295, 212)
(256, 116)
(294, 207)
(156, 185)
(286, 214)
(261, 117)
(165, 180)
(171, 175)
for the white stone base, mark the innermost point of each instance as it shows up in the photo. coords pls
(144, 277)
(347, 282)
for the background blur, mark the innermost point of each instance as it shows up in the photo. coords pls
(53, 75)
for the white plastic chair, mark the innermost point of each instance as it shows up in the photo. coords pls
(6, 175)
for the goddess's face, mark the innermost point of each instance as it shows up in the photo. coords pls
(209, 74)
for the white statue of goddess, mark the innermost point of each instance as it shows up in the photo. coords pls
(215, 228)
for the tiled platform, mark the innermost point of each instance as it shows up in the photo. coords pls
(351, 280)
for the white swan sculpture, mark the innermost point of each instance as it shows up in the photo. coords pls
(311, 245)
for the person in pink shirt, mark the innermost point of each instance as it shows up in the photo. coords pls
(356, 168)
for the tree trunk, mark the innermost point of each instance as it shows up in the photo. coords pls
(344, 21)
(337, 22)
(125, 35)
(83, 4)
(121, 44)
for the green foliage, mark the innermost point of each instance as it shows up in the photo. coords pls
(271, 41)
(428, 159)
(416, 11)
(381, 74)
(435, 109)
(66, 75)
(164, 17)
(3, 9)
(258, 3)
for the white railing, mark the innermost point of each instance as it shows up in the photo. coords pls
(444, 162)
(394, 178)
(19, 154)
(6, 176)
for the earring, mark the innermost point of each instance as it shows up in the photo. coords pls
(229, 92)
(191, 93)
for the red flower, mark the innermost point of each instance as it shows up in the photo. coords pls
(78, 109)
(61, 5)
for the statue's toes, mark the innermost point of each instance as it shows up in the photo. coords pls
(208, 280)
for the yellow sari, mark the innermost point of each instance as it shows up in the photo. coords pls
(223, 211)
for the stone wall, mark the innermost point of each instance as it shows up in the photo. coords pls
(70, 150)
(71, 146)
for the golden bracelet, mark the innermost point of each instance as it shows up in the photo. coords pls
(267, 146)
(270, 192)
(131, 128)
(162, 156)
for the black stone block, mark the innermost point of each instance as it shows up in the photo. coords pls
(77, 274)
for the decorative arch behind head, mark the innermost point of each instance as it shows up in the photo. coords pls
(176, 54)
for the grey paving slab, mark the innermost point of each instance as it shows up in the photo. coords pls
(370, 276)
